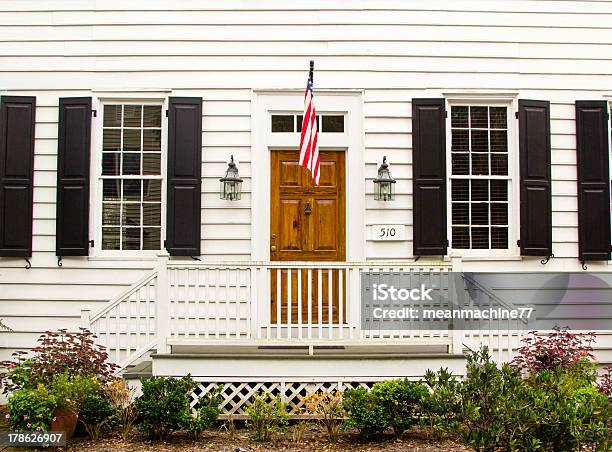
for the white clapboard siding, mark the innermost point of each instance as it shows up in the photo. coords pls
(392, 50)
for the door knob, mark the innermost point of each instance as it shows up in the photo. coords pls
(307, 209)
(273, 248)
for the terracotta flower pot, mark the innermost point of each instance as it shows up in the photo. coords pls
(64, 420)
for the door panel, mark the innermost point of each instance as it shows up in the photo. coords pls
(307, 223)
(289, 237)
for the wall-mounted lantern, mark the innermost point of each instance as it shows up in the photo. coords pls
(384, 184)
(231, 183)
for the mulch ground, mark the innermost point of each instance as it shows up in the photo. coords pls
(313, 439)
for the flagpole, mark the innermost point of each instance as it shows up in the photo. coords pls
(311, 73)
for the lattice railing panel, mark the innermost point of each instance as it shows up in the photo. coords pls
(237, 395)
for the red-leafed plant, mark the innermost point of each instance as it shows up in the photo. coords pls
(57, 353)
(605, 383)
(558, 349)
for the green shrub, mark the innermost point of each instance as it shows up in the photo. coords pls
(494, 408)
(401, 400)
(71, 391)
(205, 416)
(96, 414)
(31, 409)
(266, 415)
(441, 407)
(365, 413)
(163, 405)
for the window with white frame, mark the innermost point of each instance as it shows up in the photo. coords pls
(479, 177)
(131, 176)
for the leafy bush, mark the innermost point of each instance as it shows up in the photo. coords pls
(57, 353)
(163, 405)
(441, 408)
(365, 413)
(560, 348)
(266, 415)
(605, 385)
(496, 408)
(206, 414)
(31, 409)
(121, 396)
(96, 413)
(401, 400)
(329, 409)
(70, 392)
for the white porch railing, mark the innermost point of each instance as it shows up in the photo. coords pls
(272, 302)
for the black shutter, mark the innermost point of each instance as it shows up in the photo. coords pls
(184, 176)
(534, 151)
(73, 157)
(429, 176)
(593, 180)
(17, 122)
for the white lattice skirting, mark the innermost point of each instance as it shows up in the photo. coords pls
(237, 395)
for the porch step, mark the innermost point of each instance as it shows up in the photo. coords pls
(143, 369)
(312, 347)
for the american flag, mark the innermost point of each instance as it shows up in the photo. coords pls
(309, 149)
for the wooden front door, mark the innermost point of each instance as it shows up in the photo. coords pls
(307, 223)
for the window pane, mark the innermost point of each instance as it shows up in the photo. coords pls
(499, 238)
(461, 141)
(112, 116)
(461, 213)
(282, 123)
(480, 190)
(499, 213)
(132, 116)
(110, 214)
(151, 190)
(480, 141)
(499, 190)
(460, 190)
(461, 238)
(498, 117)
(111, 189)
(480, 164)
(151, 238)
(499, 164)
(152, 116)
(111, 140)
(499, 141)
(300, 119)
(479, 117)
(131, 190)
(480, 238)
(110, 164)
(459, 117)
(151, 164)
(151, 140)
(131, 163)
(480, 213)
(460, 163)
(131, 140)
(333, 123)
(151, 214)
(131, 238)
(110, 238)
(131, 214)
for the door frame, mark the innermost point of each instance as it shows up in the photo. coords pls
(348, 102)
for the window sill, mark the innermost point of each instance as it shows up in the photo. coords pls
(488, 258)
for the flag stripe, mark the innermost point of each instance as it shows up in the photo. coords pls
(309, 148)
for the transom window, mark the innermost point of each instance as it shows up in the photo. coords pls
(131, 177)
(479, 177)
(293, 123)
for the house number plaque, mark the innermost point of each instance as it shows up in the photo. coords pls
(388, 232)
